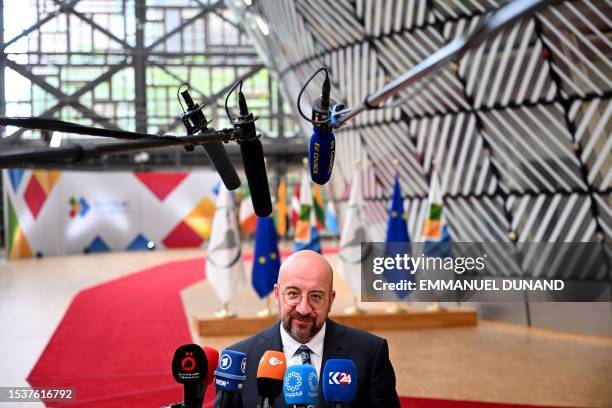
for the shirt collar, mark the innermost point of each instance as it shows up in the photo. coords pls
(290, 345)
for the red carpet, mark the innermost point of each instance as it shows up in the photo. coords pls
(116, 342)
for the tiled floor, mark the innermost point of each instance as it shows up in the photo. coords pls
(491, 362)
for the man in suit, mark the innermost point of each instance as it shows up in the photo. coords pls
(304, 295)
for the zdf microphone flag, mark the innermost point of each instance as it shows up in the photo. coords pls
(266, 258)
(224, 267)
(397, 232)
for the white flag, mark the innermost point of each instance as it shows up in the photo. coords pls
(353, 234)
(224, 267)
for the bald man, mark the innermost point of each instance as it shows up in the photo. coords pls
(304, 295)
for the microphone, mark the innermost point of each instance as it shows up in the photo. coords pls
(301, 386)
(322, 142)
(229, 375)
(253, 159)
(195, 121)
(212, 358)
(189, 367)
(270, 373)
(339, 381)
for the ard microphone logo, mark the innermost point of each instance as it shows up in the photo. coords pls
(339, 378)
(275, 361)
(226, 362)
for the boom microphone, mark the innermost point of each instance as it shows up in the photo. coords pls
(339, 381)
(195, 121)
(189, 367)
(301, 386)
(253, 159)
(270, 373)
(322, 142)
(229, 375)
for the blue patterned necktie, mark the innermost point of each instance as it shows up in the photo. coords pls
(304, 354)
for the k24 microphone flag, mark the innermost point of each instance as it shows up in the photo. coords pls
(224, 267)
(353, 234)
(306, 232)
(266, 258)
(436, 240)
(397, 231)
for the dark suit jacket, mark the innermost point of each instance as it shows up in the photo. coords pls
(370, 353)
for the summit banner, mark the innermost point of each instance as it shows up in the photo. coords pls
(486, 272)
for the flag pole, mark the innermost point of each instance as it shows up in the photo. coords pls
(225, 313)
(267, 312)
(396, 308)
(435, 306)
(355, 309)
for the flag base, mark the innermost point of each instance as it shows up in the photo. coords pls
(225, 314)
(396, 309)
(267, 312)
(435, 307)
(354, 310)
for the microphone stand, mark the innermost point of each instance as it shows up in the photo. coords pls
(31, 157)
(500, 19)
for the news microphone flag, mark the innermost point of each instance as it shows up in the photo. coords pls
(397, 232)
(353, 234)
(266, 257)
(301, 385)
(339, 381)
(306, 233)
(230, 373)
(270, 374)
(436, 240)
(224, 267)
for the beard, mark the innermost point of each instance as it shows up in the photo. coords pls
(289, 324)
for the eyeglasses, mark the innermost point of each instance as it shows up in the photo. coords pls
(293, 297)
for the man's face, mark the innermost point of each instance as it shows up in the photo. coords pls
(307, 276)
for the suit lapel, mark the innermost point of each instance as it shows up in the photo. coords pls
(335, 345)
(270, 339)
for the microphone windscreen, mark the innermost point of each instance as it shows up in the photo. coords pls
(301, 385)
(222, 163)
(270, 373)
(212, 358)
(339, 380)
(321, 155)
(189, 365)
(231, 371)
(255, 169)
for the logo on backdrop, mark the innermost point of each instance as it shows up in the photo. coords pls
(78, 207)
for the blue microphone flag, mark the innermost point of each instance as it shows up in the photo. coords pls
(339, 380)
(231, 371)
(301, 385)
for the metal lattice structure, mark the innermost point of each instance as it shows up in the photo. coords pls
(520, 126)
(118, 64)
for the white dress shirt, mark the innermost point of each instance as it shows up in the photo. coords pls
(290, 346)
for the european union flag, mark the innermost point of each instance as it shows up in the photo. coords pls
(266, 259)
(397, 233)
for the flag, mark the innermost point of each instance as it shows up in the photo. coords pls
(224, 267)
(331, 219)
(266, 258)
(397, 232)
(353, 234)
(281, 209)
(318, 206)
(306, 233)
(436, 241)
(295, 205)
(248, 218)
